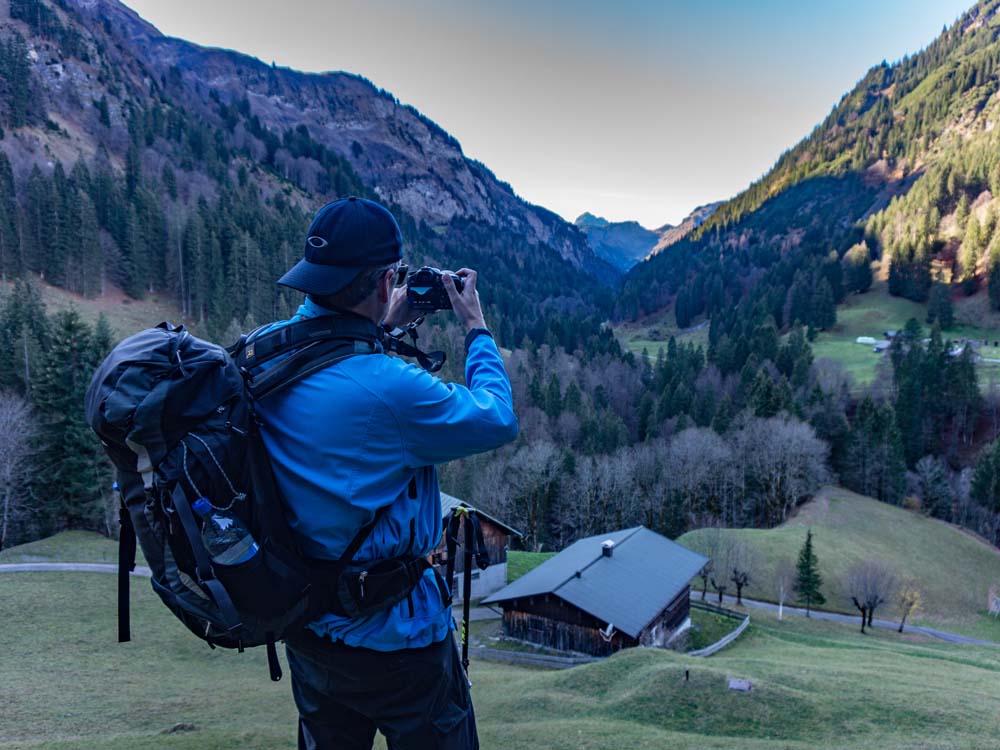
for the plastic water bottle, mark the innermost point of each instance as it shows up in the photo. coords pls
(225, 536)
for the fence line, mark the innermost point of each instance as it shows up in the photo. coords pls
(726, 640)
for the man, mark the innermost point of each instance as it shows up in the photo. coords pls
(355, 437)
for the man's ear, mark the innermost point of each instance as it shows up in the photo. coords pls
(385, 287)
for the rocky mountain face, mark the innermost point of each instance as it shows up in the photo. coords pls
(406, 158)
(669, 235)
(89, 82)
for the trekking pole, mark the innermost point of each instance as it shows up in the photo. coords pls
(467, 586)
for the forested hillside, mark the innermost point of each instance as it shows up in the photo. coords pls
(905, 169)
(132, 161)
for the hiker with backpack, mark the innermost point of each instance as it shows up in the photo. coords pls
(285, 488)
(361, 438)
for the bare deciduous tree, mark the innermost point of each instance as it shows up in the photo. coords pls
(532, 470)
(910, 599)
(743, 563)
(783, 463)
(700, 466)
(870, 584)
(708, 543)
(16, 431)
(784, 580)
(719, 577)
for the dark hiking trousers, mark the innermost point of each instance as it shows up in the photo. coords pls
(418, 698)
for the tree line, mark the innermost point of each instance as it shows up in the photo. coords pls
(55, 475)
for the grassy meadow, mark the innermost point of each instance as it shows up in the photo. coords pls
(953, 568)
(653, 334)
(68, 686)
(876, 311)
(868, 314)
(125, 315)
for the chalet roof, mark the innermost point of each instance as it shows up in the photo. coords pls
(645, 572)
(448, 503)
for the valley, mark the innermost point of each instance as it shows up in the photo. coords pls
(716, 382)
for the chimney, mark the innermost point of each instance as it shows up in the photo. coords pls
(607, 548)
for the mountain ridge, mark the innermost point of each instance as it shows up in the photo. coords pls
(292, 98)
(200, 168)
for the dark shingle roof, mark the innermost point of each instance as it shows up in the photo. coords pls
(448, 503)
(629, 589)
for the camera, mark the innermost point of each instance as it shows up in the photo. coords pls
(425, 289)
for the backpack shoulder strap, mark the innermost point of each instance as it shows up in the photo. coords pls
(256, 349)
(311, 358)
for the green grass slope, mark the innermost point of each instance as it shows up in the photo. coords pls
(67, 685)
(125, 315)
(519, 563)
(66, 546)
(954, 569)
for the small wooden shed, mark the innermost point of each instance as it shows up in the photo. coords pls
(497, 536)
(604, 593)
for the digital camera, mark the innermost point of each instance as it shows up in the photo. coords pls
(425, 289)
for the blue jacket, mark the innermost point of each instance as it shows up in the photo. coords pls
(349, 439)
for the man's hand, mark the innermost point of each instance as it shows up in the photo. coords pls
(399, 313)
(466, 302)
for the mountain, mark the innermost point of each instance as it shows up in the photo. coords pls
(625, 243)
(668, 235)
(905, 171)
(201, 168)
(622, 243)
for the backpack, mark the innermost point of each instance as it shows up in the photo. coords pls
(176, 416)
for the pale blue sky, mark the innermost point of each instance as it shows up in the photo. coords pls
(630, 109)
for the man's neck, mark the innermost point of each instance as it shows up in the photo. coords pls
(362, 310)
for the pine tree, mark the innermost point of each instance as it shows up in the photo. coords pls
(74, 476)
(993, 277)
(985, 488)
(940, 308)
(553, 397)
(645, 416)
(807, 578)
(573, 402)
(824, 309)
(972, 247)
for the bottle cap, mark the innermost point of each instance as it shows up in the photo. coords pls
(202, 506)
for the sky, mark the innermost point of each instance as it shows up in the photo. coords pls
(632, 110)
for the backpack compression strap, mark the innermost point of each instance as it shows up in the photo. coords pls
(203, 563)
(126, 553)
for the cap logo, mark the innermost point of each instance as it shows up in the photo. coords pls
(317, 242)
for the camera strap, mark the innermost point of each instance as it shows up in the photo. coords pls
(394, 341)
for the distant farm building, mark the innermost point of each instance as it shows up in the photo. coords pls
(497, 536)
(604, 593)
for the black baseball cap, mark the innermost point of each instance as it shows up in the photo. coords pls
(345, 237)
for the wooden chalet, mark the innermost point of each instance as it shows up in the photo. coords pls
(497, 536)
(604, 593)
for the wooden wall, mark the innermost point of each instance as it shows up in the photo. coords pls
(660, 630)
(549, 621)
(563, 636)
